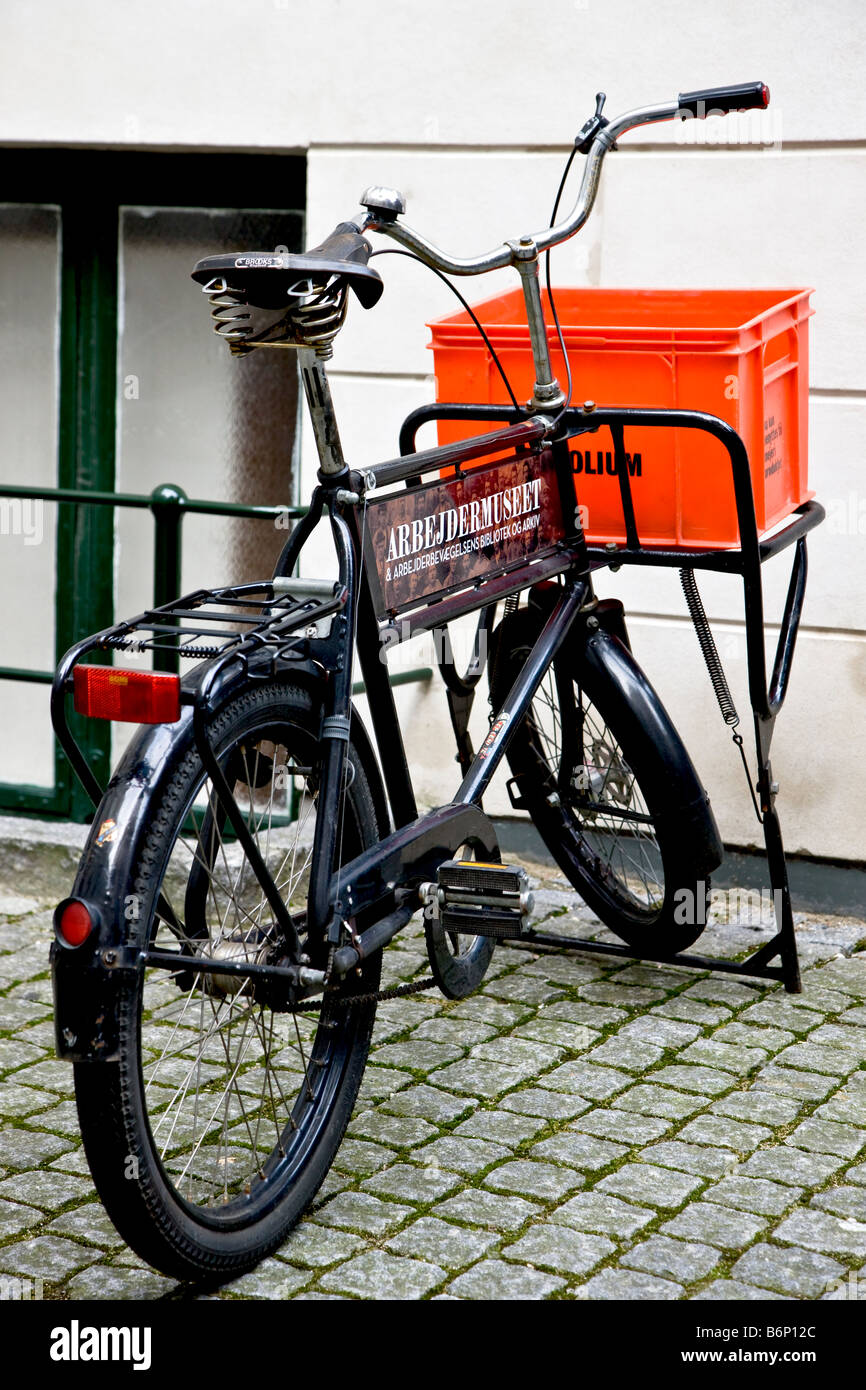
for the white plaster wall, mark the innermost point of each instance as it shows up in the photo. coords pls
(470, 110)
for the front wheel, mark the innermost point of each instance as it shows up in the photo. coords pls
(626, 822)
(212, 1133)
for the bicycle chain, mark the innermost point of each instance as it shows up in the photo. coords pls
(395, 992)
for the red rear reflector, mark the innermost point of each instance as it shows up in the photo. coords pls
(136, 697)
(765, 95)
(75, 923)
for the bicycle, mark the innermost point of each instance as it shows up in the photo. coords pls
(217, 965)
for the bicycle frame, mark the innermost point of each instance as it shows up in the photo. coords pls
(411, 855)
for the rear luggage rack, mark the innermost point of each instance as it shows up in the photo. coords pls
(266, 621)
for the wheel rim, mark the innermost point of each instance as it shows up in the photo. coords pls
(603, 803)
(237, 1094)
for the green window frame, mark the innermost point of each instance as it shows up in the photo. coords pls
(91, 187)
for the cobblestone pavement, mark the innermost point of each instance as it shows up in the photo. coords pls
(583, 1127)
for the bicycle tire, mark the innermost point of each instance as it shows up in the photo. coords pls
(174, 1131)
(628, 859)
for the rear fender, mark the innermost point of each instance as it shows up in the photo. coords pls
(88, 979)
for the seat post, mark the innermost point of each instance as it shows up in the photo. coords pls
(318, 393)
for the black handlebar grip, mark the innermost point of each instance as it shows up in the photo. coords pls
(715, 101)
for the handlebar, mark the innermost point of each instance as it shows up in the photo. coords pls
(719, 101)
(749, 95)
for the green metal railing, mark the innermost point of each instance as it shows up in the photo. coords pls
(168, 505)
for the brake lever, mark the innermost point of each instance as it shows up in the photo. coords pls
(588, 131)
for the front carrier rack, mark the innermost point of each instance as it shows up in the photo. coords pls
(745, 560)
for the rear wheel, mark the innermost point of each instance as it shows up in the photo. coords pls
(212, 1133)
(600, 795)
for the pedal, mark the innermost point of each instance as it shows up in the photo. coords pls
(483, 899)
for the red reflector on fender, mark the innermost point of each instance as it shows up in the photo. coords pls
(135, 697)
(74, 923)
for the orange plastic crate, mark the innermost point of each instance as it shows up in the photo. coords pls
(738, 354)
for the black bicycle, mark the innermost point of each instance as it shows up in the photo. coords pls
(217, 965)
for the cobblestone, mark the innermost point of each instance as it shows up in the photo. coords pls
(708, 1052)
(705, 1081)
(626, 996)
(15, 1218)
(379, 1275)
(551, 1105)
(754, 1194)
(819, 1230)
(762, 1107)
(661, 1101)
(634, 1054)
(803, 1273)
(45, 1189)
(430, 1104)
(704, 1221)
(579, 1150)
(600, 1212)
(410, 1184)
(51, 1258)
(849, 1202)
(580, 1129)
(731, 1290)
(643, 1182)
(21, 1148)
(428, 1238)
(828, 1137)
(584, 1079)
(357, 1157)
(663, 1032)
(573, 1037)
(463, 1155)
(691, 1011)
(488, 1209)
(593, 1015)
(749, 1035)
(804, 1085)
(809, 1056)
(835, 1035)
(621, 1126)
(561, 1249)
(359, 1211)
(416, 1054)
(396, 1130)
(494, 1279)
(794, 1166)
(690, 1158)
(618, 1284)
(680, 1260)
(848, 1106)
(546, 1181)
(315, 1246)
(102, 1282)
(724, 1131)
(782, 1013)
(501, 1126)
(486, 1080)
